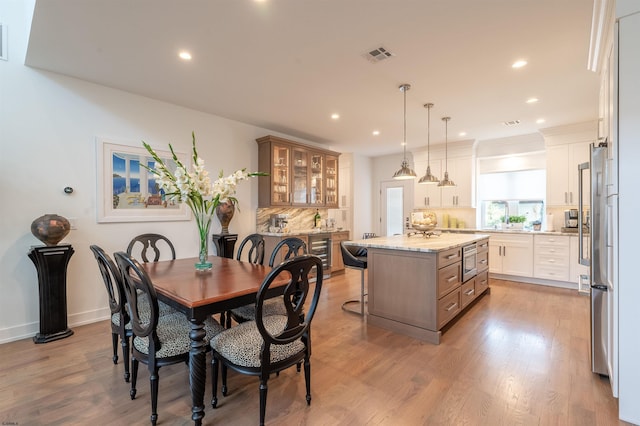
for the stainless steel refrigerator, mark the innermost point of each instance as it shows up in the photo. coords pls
(595, 254)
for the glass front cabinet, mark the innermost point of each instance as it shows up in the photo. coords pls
(299, 175)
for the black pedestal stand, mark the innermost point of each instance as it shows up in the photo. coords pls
(225, 244)
(51, 263)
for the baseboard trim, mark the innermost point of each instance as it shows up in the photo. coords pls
(28, 330)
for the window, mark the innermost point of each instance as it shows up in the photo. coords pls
(496, 212)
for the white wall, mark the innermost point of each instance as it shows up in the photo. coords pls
(627, 111)
(48, 127)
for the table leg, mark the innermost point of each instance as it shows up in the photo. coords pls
(197, 370)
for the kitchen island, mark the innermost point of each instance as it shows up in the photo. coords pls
(418, 284)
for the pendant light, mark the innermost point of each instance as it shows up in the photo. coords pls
(405, 171)
(428, 178)
(446, 181)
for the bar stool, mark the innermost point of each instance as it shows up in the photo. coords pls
(355, 258)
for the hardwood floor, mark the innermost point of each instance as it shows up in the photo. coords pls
(520, 355)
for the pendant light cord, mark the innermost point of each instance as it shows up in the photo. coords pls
(404, 125)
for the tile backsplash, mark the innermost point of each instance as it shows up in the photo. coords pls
(298, 219)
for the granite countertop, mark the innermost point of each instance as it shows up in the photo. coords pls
(421, 243)
(506, 231)
(302, 232)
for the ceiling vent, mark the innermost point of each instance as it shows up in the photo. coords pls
(378, 54)
(3, 41)
(511, 123)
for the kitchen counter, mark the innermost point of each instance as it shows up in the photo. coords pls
(505, 231)
(302, 232)
(417, 284)
(420, 243)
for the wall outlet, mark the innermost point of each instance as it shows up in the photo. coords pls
(73, 221)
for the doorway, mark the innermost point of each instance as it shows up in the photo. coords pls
(395, 200)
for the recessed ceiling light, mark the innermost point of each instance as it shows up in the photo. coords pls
(184, 55)
(540, 120)
(376, 132)
(519, 64)
(335, 116)
(532, 100)
(462, 134)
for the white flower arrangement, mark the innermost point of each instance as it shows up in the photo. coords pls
(195, 188)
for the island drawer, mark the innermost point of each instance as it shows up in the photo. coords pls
(467, 292)
(483, 261)
(482, 282)
(448, 307)
(447, 257)
(448, 278)
(483, 245)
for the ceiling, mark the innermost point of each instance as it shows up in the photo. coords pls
(287, 65)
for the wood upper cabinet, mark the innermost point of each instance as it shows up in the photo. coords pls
(299, 175)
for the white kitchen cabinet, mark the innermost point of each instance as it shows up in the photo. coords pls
(460, 172)
(562, 173)
(511, 254)
(551, 254)
(427, 195)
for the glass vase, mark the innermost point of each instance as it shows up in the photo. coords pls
(204, 223)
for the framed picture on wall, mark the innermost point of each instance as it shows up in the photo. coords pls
(126, 191)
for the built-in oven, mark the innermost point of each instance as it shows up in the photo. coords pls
(469, 261)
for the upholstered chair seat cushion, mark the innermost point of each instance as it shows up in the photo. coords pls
(241, 344)
(273, 306)
(163, 309)
(173, 332)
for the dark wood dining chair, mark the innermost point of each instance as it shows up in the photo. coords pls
(255, 247)
(158, 340)
(120, 325)
(272, 343)
(295, 247)
(154, 242)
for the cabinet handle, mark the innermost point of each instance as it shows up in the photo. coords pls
(504, 250)
(452, 256)
(571, 197)
(499, 250)
(483, 261)
(452, 278)
(428, 201)
(451, 307)
(565, 198)
(483, 282)
(469, 292)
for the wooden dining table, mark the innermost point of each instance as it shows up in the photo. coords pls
(229, 284)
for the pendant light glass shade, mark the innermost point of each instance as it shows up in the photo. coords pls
(405, 171)
(428, 178)
(446, 181)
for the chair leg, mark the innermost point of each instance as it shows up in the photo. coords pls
(214, 381)
(263, 399)
(134, 377)
(361, 301)
(362, 292)
(153, 384)
(225, 390)
(307, 379)
(125, 357)
(114, 341)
